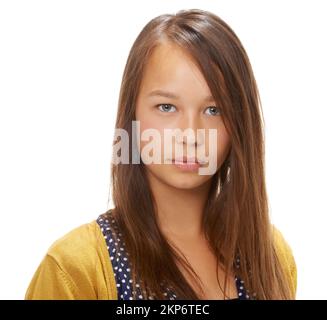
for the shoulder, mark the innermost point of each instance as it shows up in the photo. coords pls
(286, 257)
(76, 245)
(76, 266)
(82, 253)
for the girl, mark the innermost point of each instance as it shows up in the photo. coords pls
(174, 233)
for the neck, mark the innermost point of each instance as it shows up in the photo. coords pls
(179, 211)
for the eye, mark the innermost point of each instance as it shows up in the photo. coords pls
(213, 111)
(166, 107)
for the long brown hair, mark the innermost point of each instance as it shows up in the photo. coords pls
(236, 219)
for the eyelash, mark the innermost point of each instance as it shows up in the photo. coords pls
(167, 104)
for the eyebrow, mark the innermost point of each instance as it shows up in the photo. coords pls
(171, 95)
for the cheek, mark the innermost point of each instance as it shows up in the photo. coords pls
(223, 143)
(153, 127)
(147, 120)
(149, 123)
(218, 147)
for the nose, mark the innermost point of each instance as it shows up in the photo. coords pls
(190, 124)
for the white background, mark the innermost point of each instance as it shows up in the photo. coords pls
(61, 64)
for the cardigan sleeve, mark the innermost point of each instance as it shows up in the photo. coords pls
(76, 266)
(50, 282)
(287, 260)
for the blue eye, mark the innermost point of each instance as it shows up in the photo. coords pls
(165, 107)
(213, 111)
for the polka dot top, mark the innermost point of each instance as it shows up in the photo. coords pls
(121, 265)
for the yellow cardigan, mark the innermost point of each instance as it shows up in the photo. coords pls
(77, 266)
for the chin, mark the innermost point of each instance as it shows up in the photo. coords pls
(186, 181)
(186, 185)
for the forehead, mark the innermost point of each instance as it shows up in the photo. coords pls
(173, 69)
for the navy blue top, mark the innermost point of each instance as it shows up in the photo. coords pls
(121, 265)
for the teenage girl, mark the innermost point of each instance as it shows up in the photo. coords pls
(174, 233)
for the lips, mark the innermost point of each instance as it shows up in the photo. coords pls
(185, 160)
(189, 160)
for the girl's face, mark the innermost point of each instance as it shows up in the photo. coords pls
(188, 105)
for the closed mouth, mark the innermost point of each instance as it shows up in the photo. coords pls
(186, 160)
